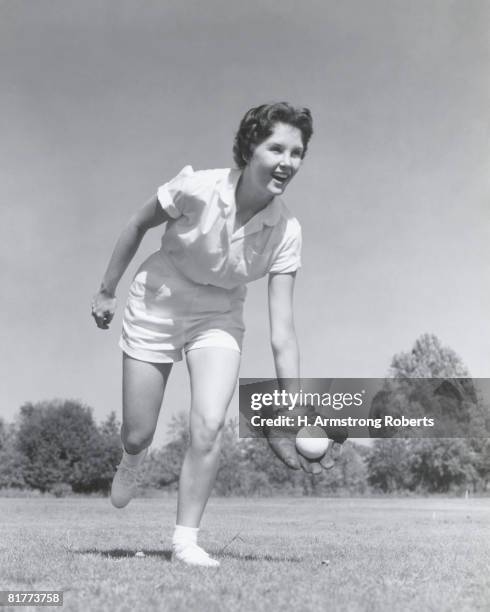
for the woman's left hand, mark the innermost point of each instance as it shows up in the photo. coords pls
(282, 441)
(285, 449)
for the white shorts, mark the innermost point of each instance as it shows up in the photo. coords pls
(167, 313)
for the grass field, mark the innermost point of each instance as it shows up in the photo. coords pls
(384, 554)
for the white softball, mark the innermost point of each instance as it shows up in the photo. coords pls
(312, 442)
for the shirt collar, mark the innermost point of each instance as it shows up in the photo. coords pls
(227, 186)
(267, 216)
(271, 213)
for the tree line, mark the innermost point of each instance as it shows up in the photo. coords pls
(56, 446)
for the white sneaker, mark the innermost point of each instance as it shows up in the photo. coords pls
(125, 483)
(192, 554)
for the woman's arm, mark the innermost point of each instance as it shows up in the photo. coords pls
(104, 302)
(283, 335)
(286, 358)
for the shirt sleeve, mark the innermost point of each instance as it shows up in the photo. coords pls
(288, 255)
(171, 194)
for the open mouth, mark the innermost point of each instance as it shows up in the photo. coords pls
(280, 177)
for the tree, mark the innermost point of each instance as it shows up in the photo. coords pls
(428, 359)
(11, 460)
(441, 465)
(263, 473)
(162, 467)
(233, 473)
(389, 465)
(3, 434)
(111, 445)
(481, 453)
(61, 443)
(352, 469)
(431, 380)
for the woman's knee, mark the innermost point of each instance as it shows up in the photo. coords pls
(135, 440)
(206, 432)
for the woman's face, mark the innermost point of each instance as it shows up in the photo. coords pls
(276, 160)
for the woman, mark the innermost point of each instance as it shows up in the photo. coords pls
(225, 228)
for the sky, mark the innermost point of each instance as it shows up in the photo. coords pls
(103, 101)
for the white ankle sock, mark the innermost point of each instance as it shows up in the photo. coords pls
(185, 535)
(133, 460)
(186, 550)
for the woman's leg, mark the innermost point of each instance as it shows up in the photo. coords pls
(213, 375)
(143, 388)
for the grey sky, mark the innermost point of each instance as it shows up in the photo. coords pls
(103, 101)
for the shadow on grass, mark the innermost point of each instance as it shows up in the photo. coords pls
(124, 553)
(268, 558)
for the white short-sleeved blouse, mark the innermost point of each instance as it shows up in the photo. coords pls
(201, 243)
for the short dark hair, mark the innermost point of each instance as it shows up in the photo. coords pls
(258, 124)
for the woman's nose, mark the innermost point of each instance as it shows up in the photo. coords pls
(285, 160)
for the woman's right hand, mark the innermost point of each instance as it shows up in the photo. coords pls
(103, 309)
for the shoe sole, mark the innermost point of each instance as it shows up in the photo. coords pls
(119, 506)
(175, 559)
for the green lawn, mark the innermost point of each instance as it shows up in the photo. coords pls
(384, 554)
